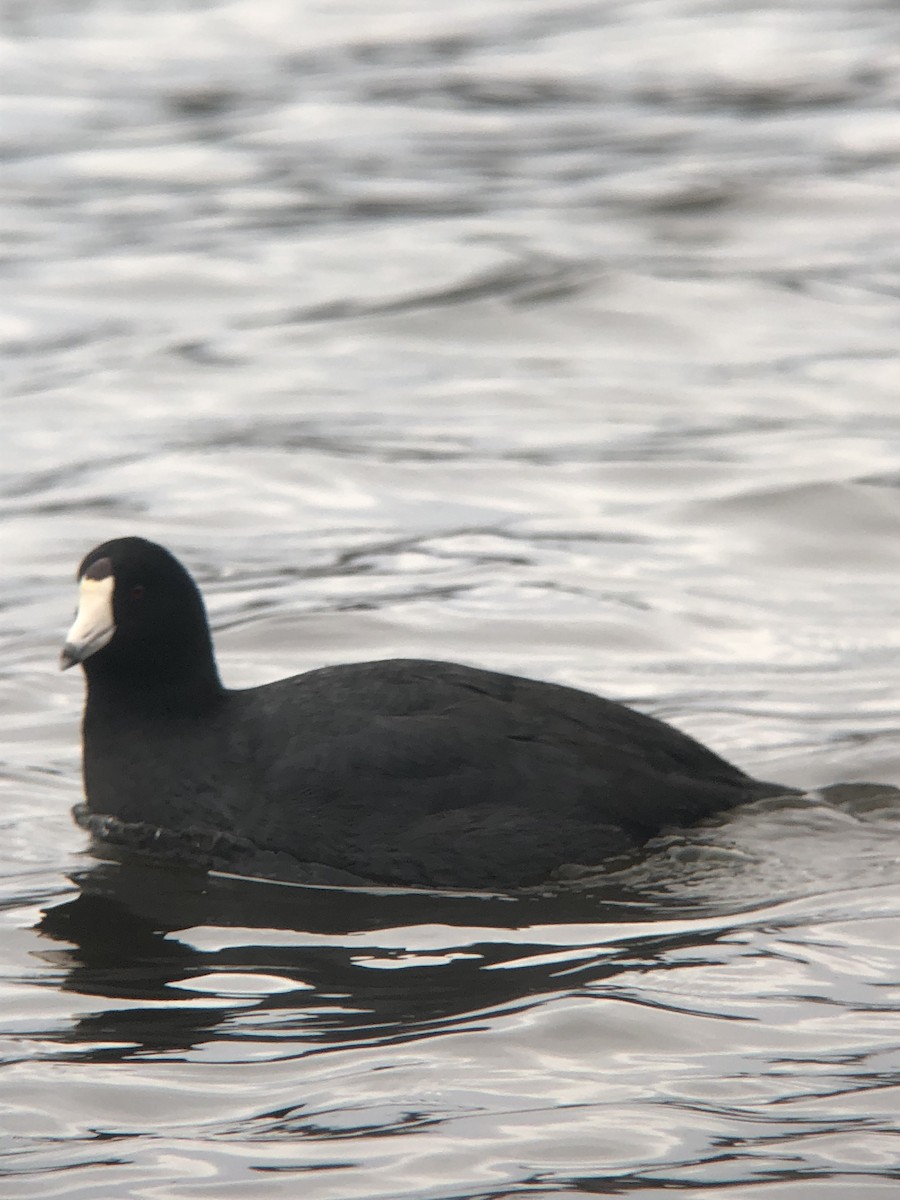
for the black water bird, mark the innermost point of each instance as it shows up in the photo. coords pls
(400, 771)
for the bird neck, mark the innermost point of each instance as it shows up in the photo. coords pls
(172, 689)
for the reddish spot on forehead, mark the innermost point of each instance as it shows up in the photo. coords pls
(101, 569)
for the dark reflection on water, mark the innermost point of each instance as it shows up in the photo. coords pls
(479, 1016)
(120, 927)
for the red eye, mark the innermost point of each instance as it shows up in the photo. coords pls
(137, 591)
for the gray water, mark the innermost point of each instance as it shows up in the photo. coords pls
(555, 337)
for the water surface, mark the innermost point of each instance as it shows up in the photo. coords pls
(553, 337)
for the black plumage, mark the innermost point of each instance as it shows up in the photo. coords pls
(397, 771)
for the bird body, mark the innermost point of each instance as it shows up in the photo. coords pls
(401, 771)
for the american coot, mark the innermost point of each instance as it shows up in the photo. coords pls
(401, 771)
